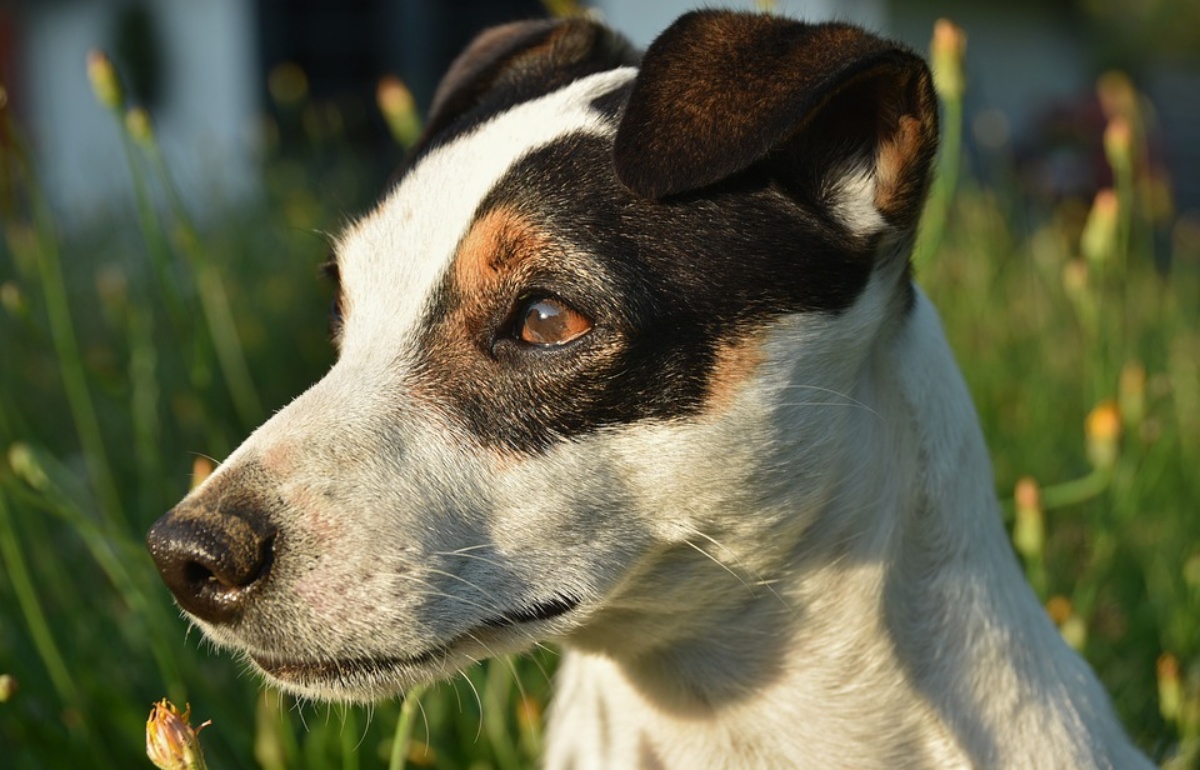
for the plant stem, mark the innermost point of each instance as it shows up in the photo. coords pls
(404, 725)
(23, 586)
(66, 349)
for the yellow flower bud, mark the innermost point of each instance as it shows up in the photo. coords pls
(105, 83)
(171, 743)
(1191, 571)
(8, 687)
(1059, 609)
(202, 468)
(1118, 143)
(399, 110)
(1029, 529)
(1074, 632)
(12, 299)
(1103, 433)
(1075, 280)
(137, 123)
(567, 8)
(1170, 689)
(946, 53)
(1099, 240)
(25, 464)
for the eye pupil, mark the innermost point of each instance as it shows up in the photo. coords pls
(551, 322)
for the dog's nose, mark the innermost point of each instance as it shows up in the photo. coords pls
(212, 561)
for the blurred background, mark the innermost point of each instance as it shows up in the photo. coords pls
(165, 208)
(208, 71)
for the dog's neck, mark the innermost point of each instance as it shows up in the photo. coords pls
(901, 629)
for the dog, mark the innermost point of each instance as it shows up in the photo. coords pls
(630, 358)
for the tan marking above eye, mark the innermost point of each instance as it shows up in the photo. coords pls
(550, 322)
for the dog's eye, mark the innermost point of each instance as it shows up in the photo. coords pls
(548, 321)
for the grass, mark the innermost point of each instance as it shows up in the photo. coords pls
(135, 348)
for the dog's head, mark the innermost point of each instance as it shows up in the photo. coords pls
(600, 336)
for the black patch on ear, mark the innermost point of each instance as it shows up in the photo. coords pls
(514, 63)
(720, 92)
(666, 284)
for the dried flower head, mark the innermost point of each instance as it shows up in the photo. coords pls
(172, 743)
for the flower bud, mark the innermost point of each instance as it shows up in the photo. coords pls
(1075, 280)
(137, 123)
(1070, 625)
(171, 743)
(1099, 240)
(1059, 608)
(399, 110)
(1103, 433)
(1029, 529)
(24, 463)
(8, 687)
(567, 8)
(12, 300)
(946, 53)
(202, 468)
(105, 83)
(1118, 143)
(1170, 689)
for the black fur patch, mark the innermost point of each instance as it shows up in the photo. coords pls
(515, 63)
(666, 284)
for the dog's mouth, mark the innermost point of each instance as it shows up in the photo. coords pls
(357, 674)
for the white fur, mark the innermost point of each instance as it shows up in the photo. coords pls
(852, 198)
(392, 258)
(811, 575)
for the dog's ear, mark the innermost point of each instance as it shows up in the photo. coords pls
(839, 118)
(523, 60)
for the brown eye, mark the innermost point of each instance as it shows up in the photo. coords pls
(549, 322)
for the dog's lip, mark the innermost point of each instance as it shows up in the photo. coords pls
(559, 605)
(308, 670)
(298, 670)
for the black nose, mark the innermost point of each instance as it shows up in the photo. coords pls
(212, 560)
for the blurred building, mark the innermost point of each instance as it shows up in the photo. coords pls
(203, 69)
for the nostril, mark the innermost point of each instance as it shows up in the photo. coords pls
(212, 562)
(197, 573)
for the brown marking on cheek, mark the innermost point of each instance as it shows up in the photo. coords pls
(497, 244)
(736, 364)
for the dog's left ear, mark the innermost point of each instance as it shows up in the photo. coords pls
(841, 119)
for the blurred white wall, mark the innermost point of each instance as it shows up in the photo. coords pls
(642, 20)
(208, 101)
